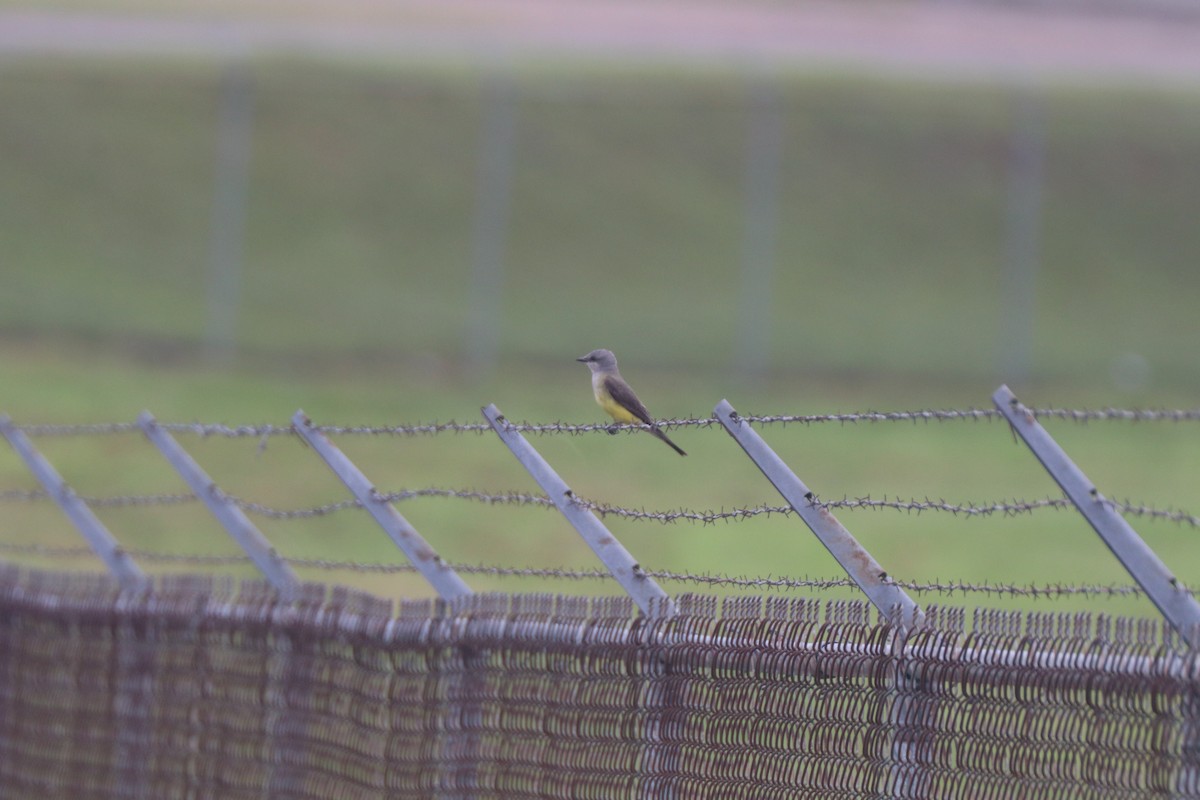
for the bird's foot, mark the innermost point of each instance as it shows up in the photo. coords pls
(612, 429)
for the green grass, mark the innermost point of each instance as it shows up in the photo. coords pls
(627, 218)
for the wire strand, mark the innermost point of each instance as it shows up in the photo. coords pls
(261, 431)
(1004, 508)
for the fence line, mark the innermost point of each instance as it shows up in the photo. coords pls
(1004, 508)
(767, 695)
(266, 430)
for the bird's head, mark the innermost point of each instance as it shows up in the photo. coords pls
(600, 361)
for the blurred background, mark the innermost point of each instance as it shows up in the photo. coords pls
(391, 213)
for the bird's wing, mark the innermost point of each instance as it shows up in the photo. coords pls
(620, 392)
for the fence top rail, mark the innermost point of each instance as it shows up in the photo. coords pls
(265, 430)
(749, 629)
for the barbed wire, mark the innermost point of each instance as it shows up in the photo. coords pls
(1049, 591)
(261, 431)
(1004, 508)
(969, 509)
(110, 501)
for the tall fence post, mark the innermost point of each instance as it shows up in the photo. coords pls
(764, 158)
(1160, 585)
(98, 537)
(650, 598)
(1022, 234)
(277, 571)
(489, 227)
(231, 189)
(440, 575)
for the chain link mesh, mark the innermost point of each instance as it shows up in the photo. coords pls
(206, 688)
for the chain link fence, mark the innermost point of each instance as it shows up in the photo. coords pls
(198, 687)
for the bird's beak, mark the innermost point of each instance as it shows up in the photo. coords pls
(584, 359)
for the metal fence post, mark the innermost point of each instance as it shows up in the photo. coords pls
(650, 598)
(489, 227)
(646, 593)
(440, 575)
(764, 156)
(1160, 585)
(98, 537)
(1022, 229)
(231, 189)
(445, 581)
(892, 601)
(232, 518)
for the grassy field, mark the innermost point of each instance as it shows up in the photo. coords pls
(960, 462)
(626, 226)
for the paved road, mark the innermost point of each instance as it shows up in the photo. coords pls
(945, 38)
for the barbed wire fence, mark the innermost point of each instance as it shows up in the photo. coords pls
(965, 509)
(534, 695)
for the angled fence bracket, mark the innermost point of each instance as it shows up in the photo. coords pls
(650, 598)
(105, 545)
(277, 571)
(892, 601)
(437, 572)
(1160, 585)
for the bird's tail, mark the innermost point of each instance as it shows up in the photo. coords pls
(659, 434)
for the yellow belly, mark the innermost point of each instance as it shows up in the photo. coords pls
(614, 410)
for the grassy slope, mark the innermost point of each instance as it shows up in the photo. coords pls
(626, 226)
(626, 217)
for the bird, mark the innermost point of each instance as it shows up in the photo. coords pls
(615, 397)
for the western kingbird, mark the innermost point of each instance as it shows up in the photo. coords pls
(614, 395)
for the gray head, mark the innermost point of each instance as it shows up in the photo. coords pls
(600, 361)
